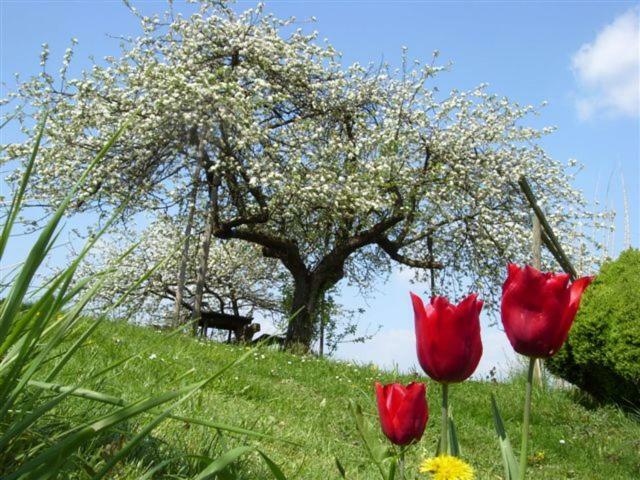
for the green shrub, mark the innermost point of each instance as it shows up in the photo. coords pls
(602, 354)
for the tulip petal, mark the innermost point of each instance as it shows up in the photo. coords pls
(410, 418)
(386, 421)
(577, 289)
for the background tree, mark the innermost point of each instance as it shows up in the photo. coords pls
(335, 324)
(334, 171)
(239, 280)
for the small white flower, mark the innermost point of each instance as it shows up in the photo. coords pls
(153, 356)
(562, 442)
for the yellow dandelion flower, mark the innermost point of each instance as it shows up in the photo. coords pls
(447, 467)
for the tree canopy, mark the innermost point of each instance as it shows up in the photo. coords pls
(335, 171)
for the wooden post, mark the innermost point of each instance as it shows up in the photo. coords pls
(537, 263)
(203, 261)
(537, 243)
(548, 237)
(542, 233)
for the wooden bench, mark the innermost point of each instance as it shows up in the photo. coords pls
(241, 326)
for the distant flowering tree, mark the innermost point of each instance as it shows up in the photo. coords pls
(239, 281)
(334, 171)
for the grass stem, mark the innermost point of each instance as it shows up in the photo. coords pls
(444, 434)
(526, 420)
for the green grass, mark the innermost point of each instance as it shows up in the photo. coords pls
(305, 400)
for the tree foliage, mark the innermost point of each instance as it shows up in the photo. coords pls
(336, 171)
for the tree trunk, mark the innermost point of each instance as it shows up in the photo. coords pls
(303, 314)
(203, 261)
(432, 272)
(203, 267)
(185, 251)
(322, 320)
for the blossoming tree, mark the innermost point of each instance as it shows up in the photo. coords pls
(334, 171)
(239, 280)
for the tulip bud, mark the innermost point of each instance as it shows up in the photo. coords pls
(538, 309)
(403, 411)
(448, 337)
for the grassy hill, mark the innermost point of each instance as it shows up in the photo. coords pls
(304, 400)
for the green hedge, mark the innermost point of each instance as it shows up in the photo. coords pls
(602, 354)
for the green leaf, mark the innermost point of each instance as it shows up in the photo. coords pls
(454, 446)
(18, 198)
(222, 462)
(509, 461)
(377, 451)
(393, 468)
(44, 242)
(149, 475)
(340, 468)
(273, 468)
(66, 447)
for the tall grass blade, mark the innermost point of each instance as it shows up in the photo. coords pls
(111, 400)
(454, 445)
(67, 446)
(509, 461)
(376, 451)
(16, 203)
(219, 464)
(43, 244)
(150, 474)
(273, 467)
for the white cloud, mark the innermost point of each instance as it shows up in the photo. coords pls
(608, 69)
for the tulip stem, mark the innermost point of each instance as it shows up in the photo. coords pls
(401, 463)
(444, 435)
(526, 419)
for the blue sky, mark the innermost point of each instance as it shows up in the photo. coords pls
(580, 57)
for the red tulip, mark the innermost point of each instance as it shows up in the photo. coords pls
(403, 411)
(448, 337)
(538, 309)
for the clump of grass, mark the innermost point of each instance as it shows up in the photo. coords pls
(305, 399)
(43, 433)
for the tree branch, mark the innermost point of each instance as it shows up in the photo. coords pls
(285, 250)
(392, 249)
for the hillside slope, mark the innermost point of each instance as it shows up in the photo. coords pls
(304, 399)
